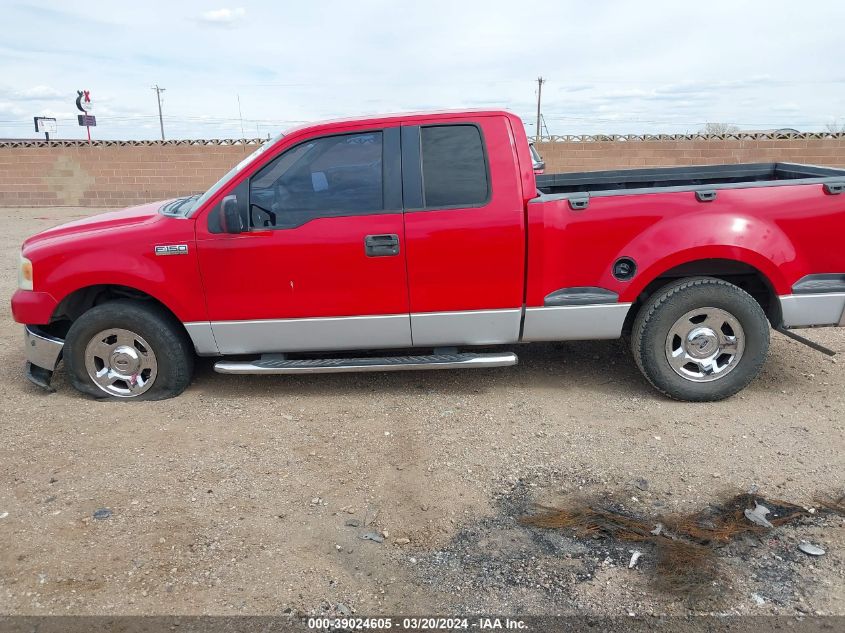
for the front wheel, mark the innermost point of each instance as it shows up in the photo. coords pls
(700, 339)
(128, 350)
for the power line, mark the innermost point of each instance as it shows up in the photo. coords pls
(203, 120)
(575, 81)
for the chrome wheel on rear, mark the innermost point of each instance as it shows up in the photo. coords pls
(121, 363)
(705, 344)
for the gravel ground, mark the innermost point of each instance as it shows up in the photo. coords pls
(252, 494)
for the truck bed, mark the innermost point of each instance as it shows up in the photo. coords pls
(652, 180)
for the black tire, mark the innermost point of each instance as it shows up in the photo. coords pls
(667, 307)
(174, 354)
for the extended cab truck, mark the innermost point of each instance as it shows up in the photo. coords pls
(336, 243)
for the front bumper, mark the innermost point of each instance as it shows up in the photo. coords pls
(33, 307)
(42, 349)
(43, 352)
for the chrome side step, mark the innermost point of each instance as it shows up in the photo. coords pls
(270, 365)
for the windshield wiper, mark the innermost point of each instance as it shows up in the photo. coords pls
(168, 208)
(174, 207)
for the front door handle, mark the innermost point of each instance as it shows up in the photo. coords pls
(381, 245)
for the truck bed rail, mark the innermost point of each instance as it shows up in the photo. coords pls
(754, 174)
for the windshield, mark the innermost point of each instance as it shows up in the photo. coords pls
(191, 204)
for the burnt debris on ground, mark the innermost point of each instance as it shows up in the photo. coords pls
(715, 559)
(686, 547)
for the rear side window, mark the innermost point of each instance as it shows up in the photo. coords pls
(325, 177)
(454, 166)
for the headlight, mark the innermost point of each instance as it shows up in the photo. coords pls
(25, 274)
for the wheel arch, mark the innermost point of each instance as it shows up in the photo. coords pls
(79, 301)
(739, 272)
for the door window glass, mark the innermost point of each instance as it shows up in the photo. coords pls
(325, 177)
(453, 166)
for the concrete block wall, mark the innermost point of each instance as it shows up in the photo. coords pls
(563, 156)
(116, 174)
(110, 175)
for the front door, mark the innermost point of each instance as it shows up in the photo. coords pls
(322, 265)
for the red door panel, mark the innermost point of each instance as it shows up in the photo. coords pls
(471, 258)
(467, 259)
(319, 269)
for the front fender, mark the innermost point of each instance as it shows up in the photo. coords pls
(65, 264)
(173, 280)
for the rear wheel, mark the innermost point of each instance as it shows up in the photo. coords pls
(128, 350)
(700, 339)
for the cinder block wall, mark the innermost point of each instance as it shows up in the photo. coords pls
(112, 174)
(590, 155)
(101, 175)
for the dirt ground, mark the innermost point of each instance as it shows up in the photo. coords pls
(251, 494)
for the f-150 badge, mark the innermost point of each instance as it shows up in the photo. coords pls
(171, 249)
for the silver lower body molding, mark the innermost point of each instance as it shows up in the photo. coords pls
(813, 310)
(399, 331)
(471, 327)
(202, 336)
(574, 323)
(346, 365)
(312, 334)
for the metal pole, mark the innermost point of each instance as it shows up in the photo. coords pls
(540, 82)
(160, 117)
(241, 116)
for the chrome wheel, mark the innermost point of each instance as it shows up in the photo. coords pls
(121, 363)
(705, 344)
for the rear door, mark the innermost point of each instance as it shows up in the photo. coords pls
(322, 265)
(464, 232)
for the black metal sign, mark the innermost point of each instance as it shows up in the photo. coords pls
(83, 101)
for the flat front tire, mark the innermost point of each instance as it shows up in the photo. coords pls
(700, 339)
(128, 350)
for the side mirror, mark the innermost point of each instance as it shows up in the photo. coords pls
(230, 215)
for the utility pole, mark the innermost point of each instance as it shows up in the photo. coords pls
(241, 117)
(540, 82)
(160, 118)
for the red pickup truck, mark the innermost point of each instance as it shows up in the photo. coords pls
(335, 243)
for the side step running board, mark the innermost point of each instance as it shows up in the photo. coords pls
(270, 365)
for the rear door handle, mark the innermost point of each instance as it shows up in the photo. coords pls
(381, 245)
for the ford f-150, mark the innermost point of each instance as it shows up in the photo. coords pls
(425, 241)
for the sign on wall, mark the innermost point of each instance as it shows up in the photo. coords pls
(83, 101)
(45, 124)
(85, 105)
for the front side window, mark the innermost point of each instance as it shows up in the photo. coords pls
(454, 166)
(193, 205)
(324, 177)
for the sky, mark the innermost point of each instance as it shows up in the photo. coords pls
(610, 66)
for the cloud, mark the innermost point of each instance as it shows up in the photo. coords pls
(365, 63)
(35, 93)
(223, 17)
